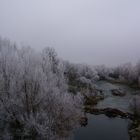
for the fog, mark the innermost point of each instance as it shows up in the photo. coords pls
(84, 31)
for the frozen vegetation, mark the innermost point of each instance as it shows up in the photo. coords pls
(34, 100)
(43, 97)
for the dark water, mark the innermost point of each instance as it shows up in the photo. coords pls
(101, 127)
(121, 103)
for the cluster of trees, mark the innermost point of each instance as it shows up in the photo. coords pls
(80, 77)
(128, 73)
(34, 100)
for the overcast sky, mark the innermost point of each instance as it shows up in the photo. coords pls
(85, 31)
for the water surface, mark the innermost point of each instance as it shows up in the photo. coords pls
(121, 103)
(101, 127)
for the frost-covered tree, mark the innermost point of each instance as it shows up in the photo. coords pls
(103, 72)
(80, 77)
(128, 73)
(135, 105)
(34, 102)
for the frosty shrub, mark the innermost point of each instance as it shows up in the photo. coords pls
(135, 105)
(34, 102)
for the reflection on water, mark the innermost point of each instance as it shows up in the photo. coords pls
(101, 127)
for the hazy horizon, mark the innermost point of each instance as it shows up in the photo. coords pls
(82, 31)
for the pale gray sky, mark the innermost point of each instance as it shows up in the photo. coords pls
(85, 31)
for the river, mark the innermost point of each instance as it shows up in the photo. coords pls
(101, 127)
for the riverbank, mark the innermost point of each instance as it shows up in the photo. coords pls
(114, 108)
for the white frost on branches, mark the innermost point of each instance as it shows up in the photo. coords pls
(33, 92)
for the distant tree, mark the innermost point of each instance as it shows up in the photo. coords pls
(103, 72)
